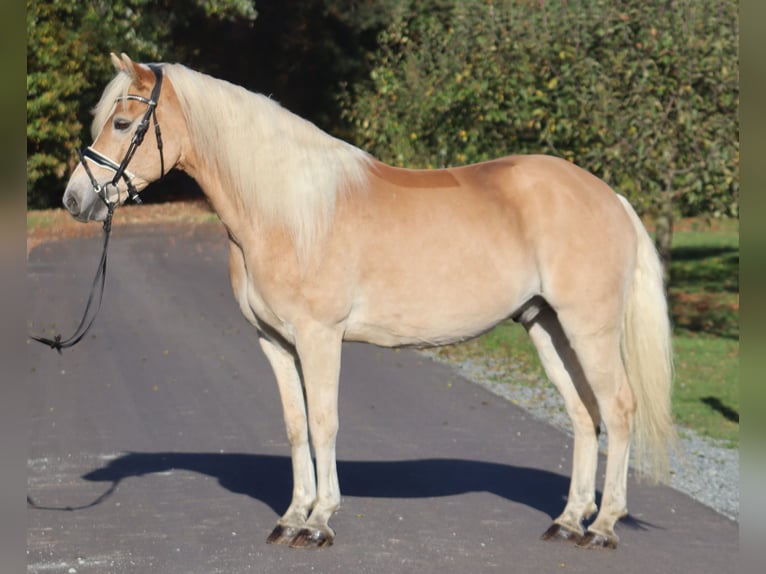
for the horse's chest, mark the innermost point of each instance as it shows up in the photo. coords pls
(257, 306)
(267, 317)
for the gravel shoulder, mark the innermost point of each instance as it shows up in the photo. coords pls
(705, 469)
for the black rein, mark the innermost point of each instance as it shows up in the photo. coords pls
(98, 285)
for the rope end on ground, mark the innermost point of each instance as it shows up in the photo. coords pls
(54, 343)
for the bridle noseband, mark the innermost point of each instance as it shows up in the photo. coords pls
(120, 170)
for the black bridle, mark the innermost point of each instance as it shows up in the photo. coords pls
(120, 172)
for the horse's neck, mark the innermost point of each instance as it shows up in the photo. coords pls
(226, 204)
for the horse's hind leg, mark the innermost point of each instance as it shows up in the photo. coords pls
(563, 369)
(602, 361)
(294, 409)
(593, 332)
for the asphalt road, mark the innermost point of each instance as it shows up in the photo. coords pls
(157, 444)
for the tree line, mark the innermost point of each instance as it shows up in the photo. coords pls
(643, 94)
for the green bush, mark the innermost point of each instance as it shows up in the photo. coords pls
(644, 94)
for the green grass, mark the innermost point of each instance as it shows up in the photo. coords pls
(704, 303)
(706, 392)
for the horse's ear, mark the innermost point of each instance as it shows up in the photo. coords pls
(141, 75)
(116, 62)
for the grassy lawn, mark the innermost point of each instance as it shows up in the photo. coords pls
(704, 302)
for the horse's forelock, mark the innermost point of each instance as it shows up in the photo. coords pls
(115, 89)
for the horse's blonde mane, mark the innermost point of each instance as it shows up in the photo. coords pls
(285, 170)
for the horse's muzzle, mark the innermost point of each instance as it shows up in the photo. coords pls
(84, 207)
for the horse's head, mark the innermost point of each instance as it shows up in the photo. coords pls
(122, 162)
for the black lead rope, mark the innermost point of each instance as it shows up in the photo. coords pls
(102, 191)
(97, 287)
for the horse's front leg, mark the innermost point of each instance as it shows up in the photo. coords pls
(294, 409)
(319, 350)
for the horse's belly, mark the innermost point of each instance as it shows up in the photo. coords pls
(445, 291)
(403, 320)
(403, 335)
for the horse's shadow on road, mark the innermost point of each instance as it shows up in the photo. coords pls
(268, 478)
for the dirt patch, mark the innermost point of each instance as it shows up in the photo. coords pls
(711, 313)
(56, 224)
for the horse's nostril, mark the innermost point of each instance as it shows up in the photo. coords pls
(70, 203)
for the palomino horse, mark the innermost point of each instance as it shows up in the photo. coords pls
(329, 244)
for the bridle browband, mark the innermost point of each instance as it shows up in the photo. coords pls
(120, 172)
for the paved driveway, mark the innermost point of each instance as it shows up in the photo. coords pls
(157, 444)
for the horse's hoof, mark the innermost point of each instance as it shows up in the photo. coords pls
(559, 532)
(596, 540)
(312, 538)
(282, 534)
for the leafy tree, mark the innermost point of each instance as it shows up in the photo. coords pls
(645, 95)
(300, 51)
(54, 84)
(297, 51)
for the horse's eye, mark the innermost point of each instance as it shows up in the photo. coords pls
(121, 124)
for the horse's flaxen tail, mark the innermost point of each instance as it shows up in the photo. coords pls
(648, 357)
